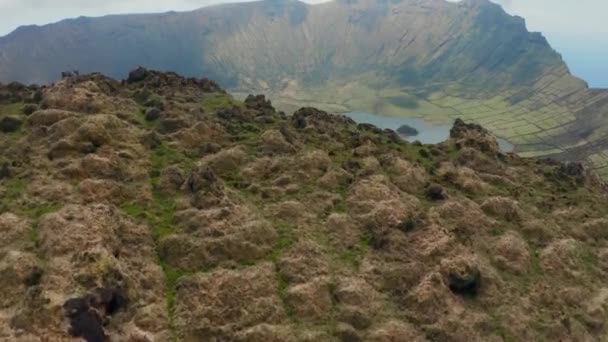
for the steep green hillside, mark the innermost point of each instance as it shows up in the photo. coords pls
(431, 58)
(162, 209)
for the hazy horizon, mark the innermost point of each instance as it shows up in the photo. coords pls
(575, 30)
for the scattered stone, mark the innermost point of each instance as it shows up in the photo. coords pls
(259, 102)
(436, 192)
(152, 114)
(462, 275)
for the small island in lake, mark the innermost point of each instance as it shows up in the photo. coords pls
(407, 130)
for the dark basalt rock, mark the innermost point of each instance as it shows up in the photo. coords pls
(34, 277)
(573, 172)
(465, 283)
(9, 124)
(137, 75)
(462, 129)
(571, 169)
(435, 192)
(88, 148)
(204, 179)
(259, 102)
(86, 314)
(392, 136)
(306, 116)
(407, 130)
(84, 320)
(69, 74)
(152, 114)
(369, 127)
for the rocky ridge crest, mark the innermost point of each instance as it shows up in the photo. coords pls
(220, 220)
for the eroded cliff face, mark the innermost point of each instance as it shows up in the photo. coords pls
(267, 43)
(160, 208)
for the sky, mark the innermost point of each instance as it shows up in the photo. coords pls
(575, 28)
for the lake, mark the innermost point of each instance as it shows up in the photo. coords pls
(428, 133)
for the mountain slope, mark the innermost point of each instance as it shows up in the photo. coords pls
(161, 208)
(430, 58)
(422, 41)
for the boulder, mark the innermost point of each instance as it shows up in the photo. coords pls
(138, 75)
(436, 192)
(462, 275)
(152, 114)
(259, 102)
(87, 313)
